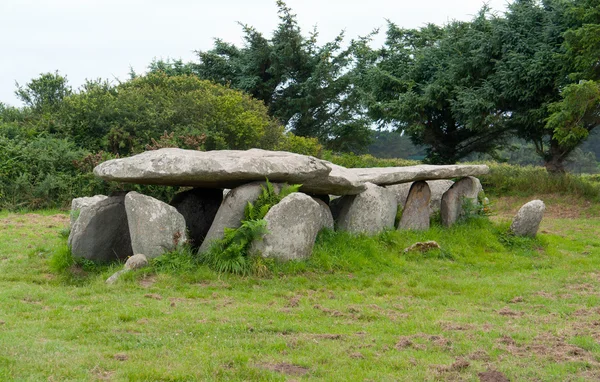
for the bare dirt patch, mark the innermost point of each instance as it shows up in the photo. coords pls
(547, 345)
(492, 376)
(148, 281)
(506, 311)
(285, 368)
(121, 357)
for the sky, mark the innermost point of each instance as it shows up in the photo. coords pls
(90, 39)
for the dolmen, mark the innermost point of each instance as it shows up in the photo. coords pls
(219, 185)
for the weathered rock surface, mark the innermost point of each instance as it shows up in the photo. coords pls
(231, 211)
(415, 215)
(453, 200)
(101, 233)
(340, 181)
(78, 204)
(437, 188)
(227, 169)
(326, 216)
(116, 276)
(369, 212)
(528, 219)
(136, 261)
(199, 208)
(383, 176)
(293, 226)
(155, 227)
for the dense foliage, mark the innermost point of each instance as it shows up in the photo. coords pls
(49, 147)
(463, 88)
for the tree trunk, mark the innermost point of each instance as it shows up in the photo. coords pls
(554, 160)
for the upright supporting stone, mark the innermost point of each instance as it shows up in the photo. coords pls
(437, 188)
(78, 204)
(231, 211)
(415, 215)
(199, 208)
(101, 232)
(370, 212)
(155, 227)
(528, 219)
(293, 225)
(464, 191)
(326, 216)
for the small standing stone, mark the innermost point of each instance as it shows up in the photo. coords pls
(136, 262)
(231, 211)
(78, 204)
(370, 212)
(437, 188)
(155, 227)
(101, 232)
(528, 219)
(415, 215)
(465, 190)
(293, 225)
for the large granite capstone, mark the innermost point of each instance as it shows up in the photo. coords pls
(229, 169)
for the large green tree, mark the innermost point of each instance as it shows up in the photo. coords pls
(433, 84)
(309, 87)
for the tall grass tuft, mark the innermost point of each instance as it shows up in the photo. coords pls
(512, 180)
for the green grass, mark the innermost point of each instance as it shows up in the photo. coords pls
(359, 309)
(513, 180)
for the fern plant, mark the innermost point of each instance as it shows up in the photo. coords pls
(231, 253)
(267, 199)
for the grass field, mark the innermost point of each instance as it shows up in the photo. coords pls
(486, 307)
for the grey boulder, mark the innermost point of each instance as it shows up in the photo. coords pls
(370, 212)
(528, 219)
(101, 232)
(326, 216)
(463, 192)
(155, 227)
(136, 261)
(415, 215)
(384, 176)
(293, 225)
(231, 211)
(199, 208)
(78, 204)
(437, 188)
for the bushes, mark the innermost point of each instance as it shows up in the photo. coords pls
(125, 118)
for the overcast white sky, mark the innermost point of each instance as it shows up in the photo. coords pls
(104, 38)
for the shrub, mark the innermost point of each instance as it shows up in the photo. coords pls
(126, 118)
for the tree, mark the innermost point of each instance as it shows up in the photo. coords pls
(548, 50)
(45, 93)
(433, 83)
(309, 87)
